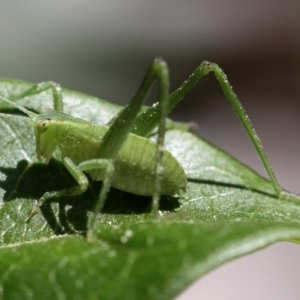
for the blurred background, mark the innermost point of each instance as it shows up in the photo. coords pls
(104, 48)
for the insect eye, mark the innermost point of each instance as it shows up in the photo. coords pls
(43, 125)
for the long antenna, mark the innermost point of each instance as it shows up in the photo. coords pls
(17, 117)
(32, 116)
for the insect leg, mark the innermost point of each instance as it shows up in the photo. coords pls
(41, 87)
(150, 120)
(78, 175)
(121, 126)
(77, 172)
(108, 167)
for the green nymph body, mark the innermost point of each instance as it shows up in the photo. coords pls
(134, 165)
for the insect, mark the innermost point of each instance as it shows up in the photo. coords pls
(120, 154)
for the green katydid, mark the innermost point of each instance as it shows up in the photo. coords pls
(120, 154)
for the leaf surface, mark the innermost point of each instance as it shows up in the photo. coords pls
(227, 211)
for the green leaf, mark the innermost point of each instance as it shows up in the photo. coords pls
(227, 211)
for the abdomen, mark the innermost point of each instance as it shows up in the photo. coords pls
(135, 169)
